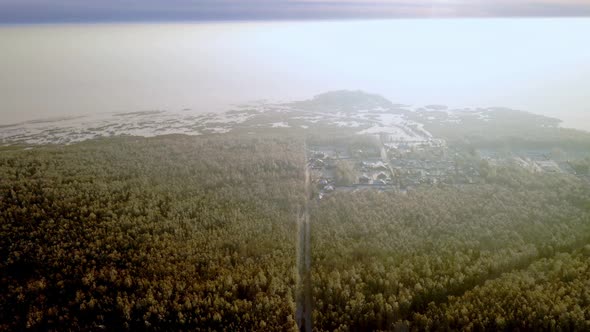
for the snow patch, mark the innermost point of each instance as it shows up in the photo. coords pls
(280, 125)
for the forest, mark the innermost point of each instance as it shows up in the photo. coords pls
(441, 257)
(551, 294)
(200, 234)
(166, 233)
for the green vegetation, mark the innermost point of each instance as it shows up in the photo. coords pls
(344, 174)
(199, 233)
(344, 101)
(385, 260)
(174, 233)
(502, 128)
(552, 294)
(581, 166)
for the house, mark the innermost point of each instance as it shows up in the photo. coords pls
(379, 182)
(381, 176)
(364, 179)
(432, 181)
(380, 166)
(319, 155)
(317, 163)
(329, 188)
(549, 166)
(330, 164)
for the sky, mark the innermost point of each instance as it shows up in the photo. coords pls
(57, 11)
(539, 65)
(281, 49)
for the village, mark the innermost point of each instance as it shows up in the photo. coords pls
(382, 164)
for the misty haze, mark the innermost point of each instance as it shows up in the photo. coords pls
(295, 166)
(535, 65)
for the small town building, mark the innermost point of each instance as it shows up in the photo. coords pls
(364, 179)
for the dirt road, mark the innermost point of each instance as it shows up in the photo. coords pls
(304, 310)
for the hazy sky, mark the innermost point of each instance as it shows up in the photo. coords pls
(40, 11)
(538, 65)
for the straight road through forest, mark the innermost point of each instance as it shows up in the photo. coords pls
(303, 313)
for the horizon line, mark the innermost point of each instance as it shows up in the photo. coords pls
(286, 20)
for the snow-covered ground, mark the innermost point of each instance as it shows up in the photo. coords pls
(394, 124)
(153, 123)
(280, 125)
(147, 124)
(378, 120)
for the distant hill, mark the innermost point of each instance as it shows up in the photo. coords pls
(346, 101)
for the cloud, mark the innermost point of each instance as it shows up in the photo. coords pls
(15, 11)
